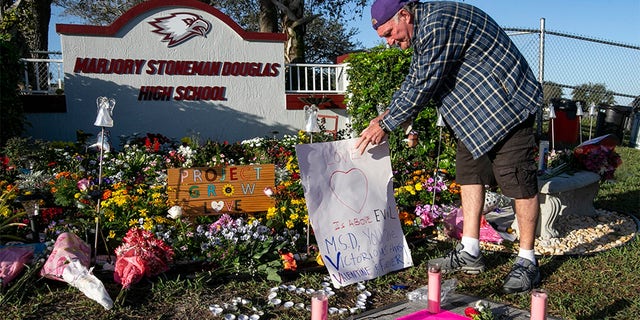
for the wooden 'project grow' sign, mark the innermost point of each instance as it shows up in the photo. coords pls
(217, 190)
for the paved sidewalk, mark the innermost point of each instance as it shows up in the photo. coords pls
(455, 303)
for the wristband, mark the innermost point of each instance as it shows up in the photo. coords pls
(383, 126)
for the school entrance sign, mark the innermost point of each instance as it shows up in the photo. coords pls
(177, 68)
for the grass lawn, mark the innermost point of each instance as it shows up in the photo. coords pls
(600, 286)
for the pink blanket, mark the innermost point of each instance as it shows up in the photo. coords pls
(12, 261)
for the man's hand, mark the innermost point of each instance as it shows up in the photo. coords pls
(372, 134)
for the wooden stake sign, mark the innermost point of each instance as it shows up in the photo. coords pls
(217, 190)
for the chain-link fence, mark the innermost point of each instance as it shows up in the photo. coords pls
(596, 76)
(43, 73)
(581, 68)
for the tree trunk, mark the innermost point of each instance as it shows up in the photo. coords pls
(31, 34)
(34, 30)
(42, 14)
(268, 17)
(294, 26)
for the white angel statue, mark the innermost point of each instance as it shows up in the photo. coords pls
(105, 112)
(311, 118)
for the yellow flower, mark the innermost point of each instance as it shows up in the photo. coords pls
(112, 234)
(289, 224)
(418, 186)
(160, 220)
(120, 199)
(410, 189)
(148, 224)
(110, 215)
(4, 212)
(143, 212)
(271, 213)
(228, 190)
(77, 195)
(293, 216)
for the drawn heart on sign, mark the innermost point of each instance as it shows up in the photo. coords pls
(217, 205)
(350, 188)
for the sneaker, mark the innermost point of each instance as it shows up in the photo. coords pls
(524, 276)
(458, 260)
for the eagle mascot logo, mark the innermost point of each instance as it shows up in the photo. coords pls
(180, 27)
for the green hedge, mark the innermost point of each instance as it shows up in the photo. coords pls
(373, 78)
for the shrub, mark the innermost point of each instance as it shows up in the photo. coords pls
(373, 78)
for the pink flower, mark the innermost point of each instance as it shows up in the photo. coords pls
(428, 214)
(83, 184)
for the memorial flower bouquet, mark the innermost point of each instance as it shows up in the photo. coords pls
(481, 311)
(598, 158)
(141, 254)
(597, 155)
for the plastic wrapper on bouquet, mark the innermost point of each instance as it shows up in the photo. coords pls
(69, 262)
(141, 254)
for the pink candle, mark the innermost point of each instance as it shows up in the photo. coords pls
(319, 306)
(435, 278)
(538, 304)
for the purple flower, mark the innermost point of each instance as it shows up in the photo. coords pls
(83, 184)
(428, 214)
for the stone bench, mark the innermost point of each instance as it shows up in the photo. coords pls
(564, 194)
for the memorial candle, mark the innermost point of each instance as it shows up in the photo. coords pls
(319, 306)
(538, 304)
(435, 278)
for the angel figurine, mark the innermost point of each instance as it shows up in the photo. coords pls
(105, 112)
(103, 141)
(311, 118)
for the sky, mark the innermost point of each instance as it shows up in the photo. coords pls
(613, 20)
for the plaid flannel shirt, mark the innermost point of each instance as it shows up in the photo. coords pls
(468, 65)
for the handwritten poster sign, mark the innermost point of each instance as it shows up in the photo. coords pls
(352, 210)
(217, 190)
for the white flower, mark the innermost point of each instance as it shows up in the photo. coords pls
(268, 191)
(481, 305)
(175, 212)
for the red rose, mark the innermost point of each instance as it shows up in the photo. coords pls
(470, 312)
